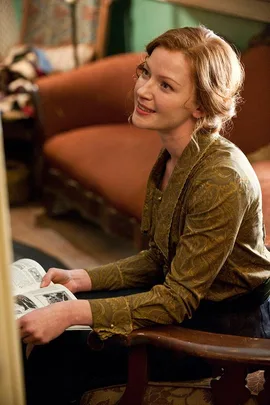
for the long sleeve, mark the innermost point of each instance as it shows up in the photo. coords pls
(141, 270)
(215, 211)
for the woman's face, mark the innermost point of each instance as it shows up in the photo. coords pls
(164, 94)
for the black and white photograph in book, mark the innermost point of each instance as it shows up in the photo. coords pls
(56, 297)
(23, 303)
(37, 276)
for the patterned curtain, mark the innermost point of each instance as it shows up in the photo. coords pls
(49, 22)
(9, 27)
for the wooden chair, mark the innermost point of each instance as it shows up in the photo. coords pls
(241, 370)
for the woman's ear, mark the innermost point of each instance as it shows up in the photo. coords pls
(198, 113)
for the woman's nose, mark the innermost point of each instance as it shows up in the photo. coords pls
(146, 90)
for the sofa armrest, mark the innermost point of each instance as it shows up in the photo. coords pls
(232, 358)
(212, 346)
(94, 94)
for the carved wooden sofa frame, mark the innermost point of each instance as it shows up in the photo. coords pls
(233, 358)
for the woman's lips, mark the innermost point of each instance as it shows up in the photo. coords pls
(143, 110)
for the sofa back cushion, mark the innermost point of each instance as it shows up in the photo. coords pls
(251, 128)
(94, 94)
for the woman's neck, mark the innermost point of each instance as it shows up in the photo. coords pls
(175, 143)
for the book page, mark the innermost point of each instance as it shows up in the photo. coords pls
(26, 275)
(26, 302)
(43, 297)
(80, 327)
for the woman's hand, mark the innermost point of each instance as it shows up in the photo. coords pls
(75, 280)
(42, 325)
(45, 324)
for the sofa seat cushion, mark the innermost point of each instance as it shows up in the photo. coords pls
(111, 160)
(262, 170)
(171, 393)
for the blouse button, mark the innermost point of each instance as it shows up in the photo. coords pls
(112, 325)
(159, 198)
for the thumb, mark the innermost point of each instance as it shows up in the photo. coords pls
(47, 278)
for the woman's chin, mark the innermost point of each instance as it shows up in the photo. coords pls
(139, 122)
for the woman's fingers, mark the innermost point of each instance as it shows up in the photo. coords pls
(49, 276)
(29, 348)
(30, 340)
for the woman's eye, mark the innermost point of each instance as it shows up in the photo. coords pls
(145, 72)
(166, 86)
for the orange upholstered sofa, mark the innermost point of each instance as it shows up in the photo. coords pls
(97, 163)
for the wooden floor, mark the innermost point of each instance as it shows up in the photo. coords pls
(74, 241)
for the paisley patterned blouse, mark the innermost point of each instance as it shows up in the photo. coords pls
(207, 241)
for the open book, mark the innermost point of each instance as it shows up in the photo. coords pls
(26, 278)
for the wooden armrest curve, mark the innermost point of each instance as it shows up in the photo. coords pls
(205, 344)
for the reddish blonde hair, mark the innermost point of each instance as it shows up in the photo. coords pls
(217, 70)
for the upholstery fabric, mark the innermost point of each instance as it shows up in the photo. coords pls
(116, 167)
(169, 393)
(94, 94)
(251, 127)
(260, 154)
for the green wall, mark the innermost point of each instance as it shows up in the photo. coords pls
(18, 8)
(150, 18)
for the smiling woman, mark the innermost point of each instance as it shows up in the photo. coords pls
(206, 266)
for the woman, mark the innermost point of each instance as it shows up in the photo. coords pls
(206, 266)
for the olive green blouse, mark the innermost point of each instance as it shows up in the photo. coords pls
(206, 241)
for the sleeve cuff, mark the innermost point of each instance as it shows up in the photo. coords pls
(111, 316)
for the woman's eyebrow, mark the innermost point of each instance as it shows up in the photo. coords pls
(161, 76)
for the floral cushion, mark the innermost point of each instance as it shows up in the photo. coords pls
(47, 22)
(168, 393)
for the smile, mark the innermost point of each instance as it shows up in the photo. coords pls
(141, 109)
